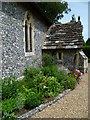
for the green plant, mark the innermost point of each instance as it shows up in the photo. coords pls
(48, 59)
(9, 87)
(31, 72)
(38, 79)
(20, 101)
(33, 99)
(86, 50)
(50, 71)
(69, 83)
(61, 76)
(29, 75)
(23, 82)
(36, 85)
(8, 105)
(50, 87)
(12, 104)
(9, 116)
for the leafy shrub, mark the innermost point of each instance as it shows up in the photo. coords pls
(8, 105)
(50, 71)
(38, 79)
(9, 87)
(36, 85)
(9, 116)
(20, 101)
(53, 71)
(48, 60)
(29, 75)
(69, 83)
(12, 104)
(33, 99)
(30, 72)
(76, 74)
(47, 86)
(50, 87)
(25, 83)
(86, 50)
(61, 76)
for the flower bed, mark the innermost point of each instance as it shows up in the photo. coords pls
(76, 74)
(37, 87)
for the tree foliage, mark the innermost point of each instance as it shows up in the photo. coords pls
(84, 44)
(54, 10)
(86, 50)
(88, 42)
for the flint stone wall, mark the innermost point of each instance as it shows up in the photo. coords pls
(68, 57)
(13, 56)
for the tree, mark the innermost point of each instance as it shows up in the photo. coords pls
(88, 42)
(54, 10)
(84, 44)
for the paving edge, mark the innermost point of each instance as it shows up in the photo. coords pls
(42, 106)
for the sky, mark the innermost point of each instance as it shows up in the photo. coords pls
(78, 9)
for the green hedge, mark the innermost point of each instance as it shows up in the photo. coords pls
(86, 50)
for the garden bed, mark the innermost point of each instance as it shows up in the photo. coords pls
(39, 87)
(42, 106)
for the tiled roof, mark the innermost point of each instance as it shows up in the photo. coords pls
(64, 36)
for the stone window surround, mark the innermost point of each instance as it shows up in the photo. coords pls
(32, 25)
(58, 55)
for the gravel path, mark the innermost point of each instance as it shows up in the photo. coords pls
(73, 105)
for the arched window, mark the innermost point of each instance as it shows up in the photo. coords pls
(28, 34)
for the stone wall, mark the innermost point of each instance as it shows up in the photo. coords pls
(0, 50)
(68, 57)
(13, 56)
(0, 40)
